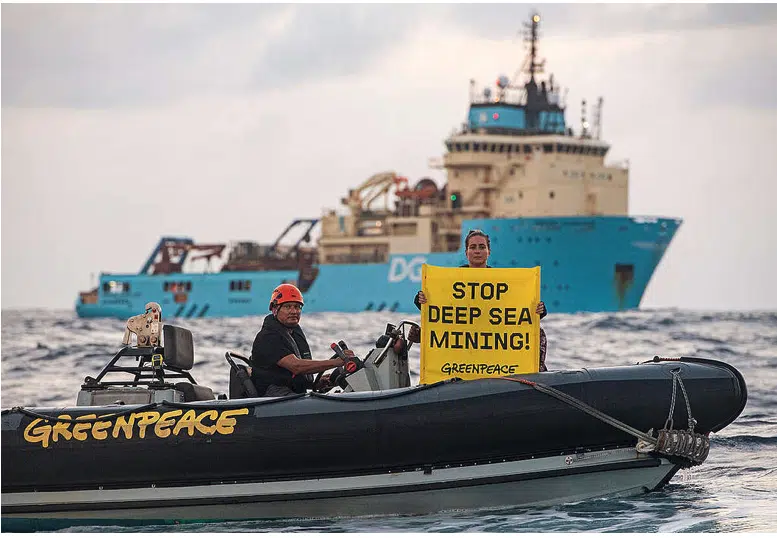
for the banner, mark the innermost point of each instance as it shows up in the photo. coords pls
(479, 322)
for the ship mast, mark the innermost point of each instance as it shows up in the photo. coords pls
(534, 67)
(536, 95)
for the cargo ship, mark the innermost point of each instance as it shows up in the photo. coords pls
(546, 195)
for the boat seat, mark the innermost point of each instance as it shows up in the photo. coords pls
(179, 347)
(194, 393)
(179, 353)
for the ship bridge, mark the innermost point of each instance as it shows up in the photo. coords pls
(519, 109)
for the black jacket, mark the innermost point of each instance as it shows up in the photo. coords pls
(273, 342)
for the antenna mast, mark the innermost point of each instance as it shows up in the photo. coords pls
(533, 38)
(598, 119)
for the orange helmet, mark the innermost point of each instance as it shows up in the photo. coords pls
(285, 293)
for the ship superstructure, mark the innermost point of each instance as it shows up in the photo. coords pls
(514, 157)
(514, 168)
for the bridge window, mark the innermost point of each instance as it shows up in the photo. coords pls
(449, 146)
(547, 148)
(176, 287)
(239, 285)
(475, 146)
(527, 148)
(466, 146)
(115, 287)
(501, 148)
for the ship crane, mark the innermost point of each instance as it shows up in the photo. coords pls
(362, 197)
(173, 252)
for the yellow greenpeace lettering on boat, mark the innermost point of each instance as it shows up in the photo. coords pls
(479, 322)
(141, 425)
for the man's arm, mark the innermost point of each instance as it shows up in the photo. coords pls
(298, 366)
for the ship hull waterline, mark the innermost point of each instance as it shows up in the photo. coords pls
(594, 264)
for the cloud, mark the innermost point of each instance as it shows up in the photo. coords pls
(596, 21)
(204, 146)
(109, 55)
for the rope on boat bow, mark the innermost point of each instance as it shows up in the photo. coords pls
(691, 448)
(670, 420)
(687, 444)
(574, 402)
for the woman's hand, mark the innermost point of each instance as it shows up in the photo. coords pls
(541, 310)
(421, 298)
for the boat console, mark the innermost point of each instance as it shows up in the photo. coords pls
(161, 368)
(385, 366)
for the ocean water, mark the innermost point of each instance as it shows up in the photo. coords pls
(47, 354)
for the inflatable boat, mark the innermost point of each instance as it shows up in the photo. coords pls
(155, 446)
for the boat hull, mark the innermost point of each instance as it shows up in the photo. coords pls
(535, 482)
(494, 439)
(593, 264)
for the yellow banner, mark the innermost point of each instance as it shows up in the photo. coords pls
(479, 322)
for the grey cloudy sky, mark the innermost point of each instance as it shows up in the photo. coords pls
(125, 122)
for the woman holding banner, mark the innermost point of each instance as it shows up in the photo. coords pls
(477, 247)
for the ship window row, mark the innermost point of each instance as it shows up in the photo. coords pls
(572, 149)
(581, 174)
(488, 148)
(176, 287)
(114, 287)
(239, 285)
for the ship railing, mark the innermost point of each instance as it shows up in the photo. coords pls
(356, 258)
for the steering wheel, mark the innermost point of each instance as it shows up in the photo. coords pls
(338, 374)
(319, 375)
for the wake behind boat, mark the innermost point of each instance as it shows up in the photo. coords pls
(156, 446)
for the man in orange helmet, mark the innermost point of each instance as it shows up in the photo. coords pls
(281, 361)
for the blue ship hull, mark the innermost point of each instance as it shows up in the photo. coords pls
(588, 264)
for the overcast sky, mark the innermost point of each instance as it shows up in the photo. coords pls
(125, 122)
